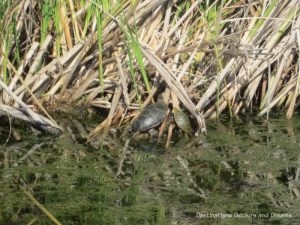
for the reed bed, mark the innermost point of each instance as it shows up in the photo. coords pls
(208, 57)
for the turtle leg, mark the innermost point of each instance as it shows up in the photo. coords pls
(153, 133)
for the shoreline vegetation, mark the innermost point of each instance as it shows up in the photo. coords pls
(206, 57)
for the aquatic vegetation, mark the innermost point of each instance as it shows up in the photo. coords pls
(244, 171)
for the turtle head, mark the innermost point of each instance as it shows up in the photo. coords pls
(135, 125)
(160, 98)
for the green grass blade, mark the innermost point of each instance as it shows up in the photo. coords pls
(260, 22)
(133, 76)
(88, 19)
(139, 58)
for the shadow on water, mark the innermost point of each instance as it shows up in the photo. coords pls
(242, 172)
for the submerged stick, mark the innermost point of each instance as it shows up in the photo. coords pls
(41, 207)
(123, 157)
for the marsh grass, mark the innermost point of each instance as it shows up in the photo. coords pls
(213, 56)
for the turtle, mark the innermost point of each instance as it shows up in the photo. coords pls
(182, 120)
(152, 116)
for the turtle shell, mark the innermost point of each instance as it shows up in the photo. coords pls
(182, 120)
(150, 117)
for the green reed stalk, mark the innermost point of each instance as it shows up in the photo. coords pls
(57, 27)
(46, 18)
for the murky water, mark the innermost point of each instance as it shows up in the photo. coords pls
(241, 172)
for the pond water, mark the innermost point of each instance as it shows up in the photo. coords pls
(242, 172)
